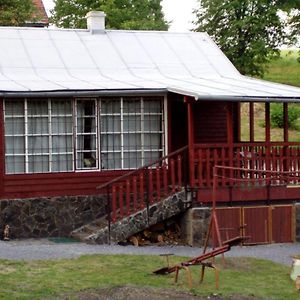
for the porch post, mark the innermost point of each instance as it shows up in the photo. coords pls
(268, 135)
(2, 149)
(267, 117)
(230, 131)
(285, 135)
(191, 140)
(286, 122)
(230, 137)
(251, 121)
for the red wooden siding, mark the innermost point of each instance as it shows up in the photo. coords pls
(255, 222)
(229, 220)
(210, 122)
(177, 121)
(282, 224)
(57, 184)
(262, 224)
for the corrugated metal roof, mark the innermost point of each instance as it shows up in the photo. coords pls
(45, 60)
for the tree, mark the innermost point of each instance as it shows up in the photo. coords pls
(292, 7)
(16, 12)
(248, 31)
(121, 14)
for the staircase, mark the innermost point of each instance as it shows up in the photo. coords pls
(139, 199)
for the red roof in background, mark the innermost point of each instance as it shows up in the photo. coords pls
(43, 18)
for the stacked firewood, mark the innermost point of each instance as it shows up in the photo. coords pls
(166, 233)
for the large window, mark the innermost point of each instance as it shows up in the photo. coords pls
(131, 132)
(59, 135)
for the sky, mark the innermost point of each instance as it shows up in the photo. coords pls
(179, 12)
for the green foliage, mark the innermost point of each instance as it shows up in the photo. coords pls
(249, 32)
(16, 12)
(277, 119)
(121, 14)
(44, 279)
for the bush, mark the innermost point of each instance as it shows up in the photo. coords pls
(277, 119)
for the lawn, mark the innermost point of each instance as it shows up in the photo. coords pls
(49, 279)
(286, 69)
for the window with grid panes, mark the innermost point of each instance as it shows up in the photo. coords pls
(59, 135)
(38, 136)
(131, 132)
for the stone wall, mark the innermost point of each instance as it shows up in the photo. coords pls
(194, 225)
(49, 217)
(135, 223)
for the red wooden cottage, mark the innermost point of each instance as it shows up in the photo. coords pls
(79, 108)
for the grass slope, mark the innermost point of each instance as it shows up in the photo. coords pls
(286, 69)
(43, 279)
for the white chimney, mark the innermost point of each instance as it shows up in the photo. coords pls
(96, 21)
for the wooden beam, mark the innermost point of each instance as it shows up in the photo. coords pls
(251, 121)
(286, 122)
(191, 140)
(238, 120)
(2, 149)
(267, 122)
(229, 123)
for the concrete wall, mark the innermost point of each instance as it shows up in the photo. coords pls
(46, 217)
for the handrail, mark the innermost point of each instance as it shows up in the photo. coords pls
(124, 176)
(253, 144)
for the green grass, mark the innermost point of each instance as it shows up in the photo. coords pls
(286, 69)
(43, 279)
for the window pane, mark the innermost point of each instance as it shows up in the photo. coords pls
(38, 163)
(61, 107)
(110, 106)
(110, 123)
(152, 156)
(38, 125)
(152, 141)
(15, 164)
(62, 125)
(14, 144)
(37, 107)
(13, 107)
(132, 160)
(62, 162)
(152, 123)
(152, 106)
(132, 141)
(86, 125)
(132, 106)
(86, 160)
(86, 142)
(85, 108)
(62, 144)
(14, 126)
(38, 144)
(111, 161)
(131, 123)
(110, 142)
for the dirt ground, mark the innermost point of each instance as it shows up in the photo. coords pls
(137, 293)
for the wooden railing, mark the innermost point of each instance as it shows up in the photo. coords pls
(279, 157)
(142, 187)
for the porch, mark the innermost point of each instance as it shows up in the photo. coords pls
(257, 171)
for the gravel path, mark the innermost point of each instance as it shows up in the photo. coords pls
(44, 249)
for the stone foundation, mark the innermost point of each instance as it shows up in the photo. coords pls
(49, 217)
(135, 223)
(194, 225)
